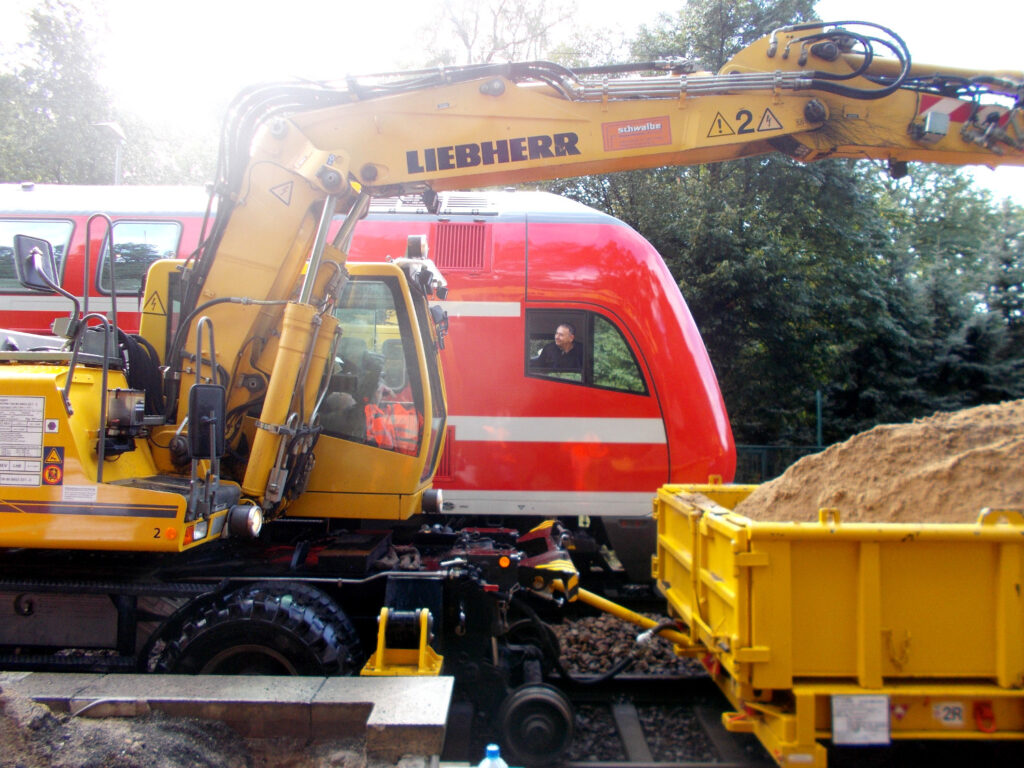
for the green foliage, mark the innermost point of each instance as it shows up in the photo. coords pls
(53, 101)
(614, 366)
(709, 32)
(54, 111)
(1005, 256)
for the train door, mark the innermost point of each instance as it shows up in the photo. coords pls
(596, 428)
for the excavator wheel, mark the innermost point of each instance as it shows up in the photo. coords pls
(265, 629)
(536, 724)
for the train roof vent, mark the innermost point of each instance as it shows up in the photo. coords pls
(461, 246)
(462, 203)
(398, 204)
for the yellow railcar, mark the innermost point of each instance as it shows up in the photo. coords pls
(861, 633)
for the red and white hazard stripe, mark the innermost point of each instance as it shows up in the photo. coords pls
(958, 111)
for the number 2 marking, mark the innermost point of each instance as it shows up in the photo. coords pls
(746, 118)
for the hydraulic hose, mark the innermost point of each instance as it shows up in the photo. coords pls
(619, 667)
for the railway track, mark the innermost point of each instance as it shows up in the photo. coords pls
(652, 721)
(661, 721)
(658, 720)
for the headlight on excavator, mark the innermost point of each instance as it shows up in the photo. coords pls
(433, 501)
(245, 521)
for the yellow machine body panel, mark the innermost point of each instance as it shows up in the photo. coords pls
(159, 305)
(48, 469)
(365, 491)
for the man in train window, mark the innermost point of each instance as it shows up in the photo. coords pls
(562, 354)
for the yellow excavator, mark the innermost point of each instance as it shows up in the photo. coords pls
(177, 497)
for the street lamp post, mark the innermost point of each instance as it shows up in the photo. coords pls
(118, 133)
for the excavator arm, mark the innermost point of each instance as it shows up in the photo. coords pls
(809, 91)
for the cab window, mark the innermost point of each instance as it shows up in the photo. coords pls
(57, 232)
(137, 244)
(614, 364)
(580, 347)
(374, 394)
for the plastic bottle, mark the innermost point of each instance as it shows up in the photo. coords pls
(492, 758)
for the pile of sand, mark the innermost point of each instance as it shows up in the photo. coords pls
(945, 468)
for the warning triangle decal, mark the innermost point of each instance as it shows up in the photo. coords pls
(283, 192)
(53, 457)
(153, 305)
(769, 122)
(720, 127)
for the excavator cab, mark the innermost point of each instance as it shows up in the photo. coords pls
(383, 408)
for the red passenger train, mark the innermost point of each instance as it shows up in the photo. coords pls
(639, 409)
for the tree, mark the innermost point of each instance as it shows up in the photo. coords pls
(1005, 256)
(944, 340)
(54, 102)
(476, 32)
(709, 32)
(54, 108)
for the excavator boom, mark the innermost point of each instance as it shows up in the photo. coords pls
(810, 91)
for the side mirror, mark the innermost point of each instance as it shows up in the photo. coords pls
(440, 317)
(206, 430)
(35, 264)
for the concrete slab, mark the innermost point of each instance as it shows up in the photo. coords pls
(256, 707)
(396, 715)
(408, 716)
(53, 690)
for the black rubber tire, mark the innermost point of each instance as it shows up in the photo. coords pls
(537, 724)
(265, 629)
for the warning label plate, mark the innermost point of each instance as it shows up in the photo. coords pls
(21, 440)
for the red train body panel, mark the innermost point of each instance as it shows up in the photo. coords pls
(644, 410)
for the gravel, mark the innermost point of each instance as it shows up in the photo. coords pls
(593, 644)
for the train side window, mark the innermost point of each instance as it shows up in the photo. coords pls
(614, 364)
(543, 357)
(58, 232)
(137, 244)
(603, 360)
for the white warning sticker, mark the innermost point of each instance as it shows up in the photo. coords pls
(860, 719)
(21, 440)
(80, 493)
